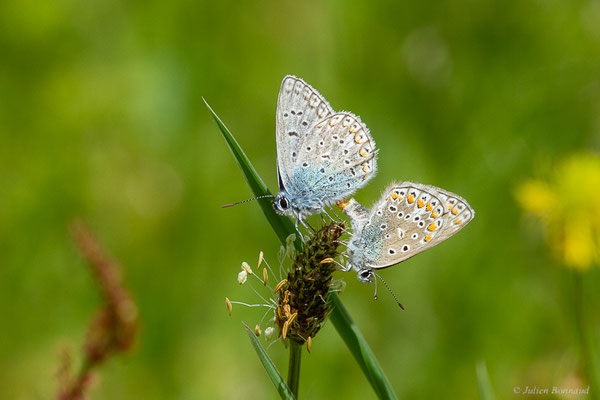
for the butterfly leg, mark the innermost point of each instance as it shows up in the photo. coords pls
(346, 230)
(298, 219)
(336, 214)
(329, 216)
(324, 210)
(322, 218)
(343, 268)
(306, 226)
(342, 242)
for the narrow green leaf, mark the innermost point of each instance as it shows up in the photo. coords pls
(483, 382)
(278, 381)
(282, 226)
(359, 348)
(340, 318)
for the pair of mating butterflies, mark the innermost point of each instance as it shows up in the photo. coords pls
(324, 156)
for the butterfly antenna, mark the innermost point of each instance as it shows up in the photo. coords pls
(375, 295)
(245, 201)
(388, 288)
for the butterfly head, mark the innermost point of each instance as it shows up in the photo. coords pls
(365, 275)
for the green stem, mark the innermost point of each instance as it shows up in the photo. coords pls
(294, 368)
(583, 330)
(360, 349)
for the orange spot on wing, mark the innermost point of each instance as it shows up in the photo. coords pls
(432, 227)
(428, 238)
(358, 140)
(429, 208)
(420, 203)
(394, 196)
(455, 211)
(411, 198)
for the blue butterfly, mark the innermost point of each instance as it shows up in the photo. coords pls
(408, 219)
(322, 156)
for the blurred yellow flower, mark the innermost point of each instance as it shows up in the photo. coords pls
(569, 207)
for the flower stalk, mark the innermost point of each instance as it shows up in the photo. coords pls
(303, 296)
(115, 326)
(293, 380)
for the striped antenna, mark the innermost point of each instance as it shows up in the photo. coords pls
(245, 201)
(388, 288)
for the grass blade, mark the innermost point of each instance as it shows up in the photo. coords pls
(483, 382)
(278, 381)
(359, 348)
(340, 318)
(282, 226)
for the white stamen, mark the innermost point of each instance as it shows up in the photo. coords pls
(242, 276)
(246, 268)
(269, 333)
(260, 259)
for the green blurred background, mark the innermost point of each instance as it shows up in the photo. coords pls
(101, 117)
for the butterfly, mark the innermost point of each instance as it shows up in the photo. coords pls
(323, 156)
(408, 219)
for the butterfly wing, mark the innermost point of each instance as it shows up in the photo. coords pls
(299, 108)
(336, 158)
(409, 219)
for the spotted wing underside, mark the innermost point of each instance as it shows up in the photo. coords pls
(338, 156)
(409, 219)
(299, 108)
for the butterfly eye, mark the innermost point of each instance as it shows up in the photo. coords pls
(365, 276)
(283, 203)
